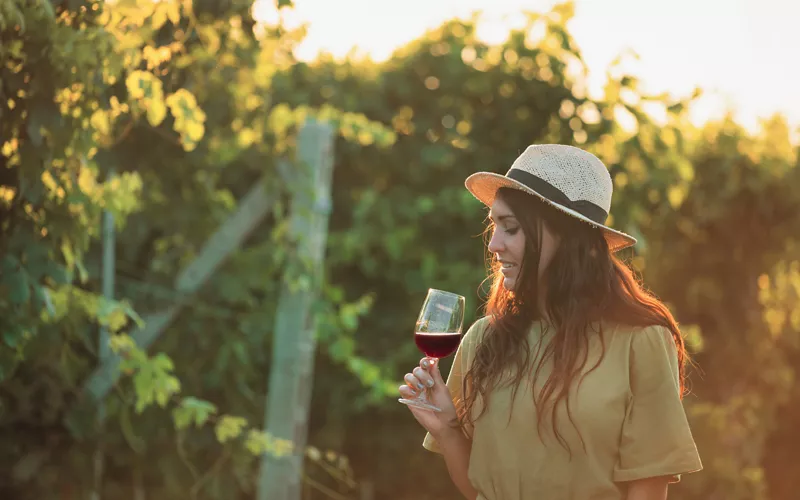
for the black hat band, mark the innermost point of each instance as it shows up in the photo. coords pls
(552, 193)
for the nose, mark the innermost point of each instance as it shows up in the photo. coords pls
(496, 244)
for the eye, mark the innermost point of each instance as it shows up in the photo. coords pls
(511, 231)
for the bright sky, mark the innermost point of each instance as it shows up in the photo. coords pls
(744, 53)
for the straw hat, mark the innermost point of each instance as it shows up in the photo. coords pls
(570, 179)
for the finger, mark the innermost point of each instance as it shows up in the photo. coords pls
(414, 382)
(427, 363)
(435, 373)
(423, 376)
(407, 392)
(431, 366)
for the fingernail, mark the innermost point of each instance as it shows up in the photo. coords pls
(425, 363)
(430, 383)
(421, 387)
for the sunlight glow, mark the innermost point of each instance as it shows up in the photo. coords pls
(740, 52)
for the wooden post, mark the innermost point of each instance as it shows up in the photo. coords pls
(103, 346)
(252, 209)
(294, 344)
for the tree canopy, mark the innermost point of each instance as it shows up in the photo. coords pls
(165, 113)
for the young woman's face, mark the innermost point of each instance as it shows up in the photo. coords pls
(508, 243)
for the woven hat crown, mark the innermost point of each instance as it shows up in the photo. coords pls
(579, 174)
(568, 178)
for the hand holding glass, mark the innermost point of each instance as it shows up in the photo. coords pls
(438, 333)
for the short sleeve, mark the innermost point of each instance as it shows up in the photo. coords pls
(655, 439)
(461, 363)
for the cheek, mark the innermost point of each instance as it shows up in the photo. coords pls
(517, 244)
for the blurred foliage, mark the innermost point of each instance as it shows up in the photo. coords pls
(97, 99)
(189, 103)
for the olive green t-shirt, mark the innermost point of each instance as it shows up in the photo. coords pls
(628, 411)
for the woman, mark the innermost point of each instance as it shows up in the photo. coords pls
(570, 387)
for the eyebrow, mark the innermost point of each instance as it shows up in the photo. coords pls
(501, 218)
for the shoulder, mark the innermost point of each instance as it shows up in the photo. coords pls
(652, 353)
(478, 329)
(475, 333)
(643, 343)
(658, 334)
(654, 337)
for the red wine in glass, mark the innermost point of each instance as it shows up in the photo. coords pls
(437, 345)
(438, 333)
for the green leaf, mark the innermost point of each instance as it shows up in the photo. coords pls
(193, 410)
(47, 301)
(116, 320)
(257, 442)
(83, 274)
(229, 427)
(153, 382)
(182, 418)
(341, 348)
(18, 285)
(58, 273)
(12, 335)
(133, 315)
(144, 386)
(122, 343)
(38, 261)
(39, 297)
(162, 362)
(349, 317)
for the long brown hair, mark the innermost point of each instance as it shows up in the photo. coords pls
(586, 283)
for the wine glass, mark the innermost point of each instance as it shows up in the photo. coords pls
(438, 333)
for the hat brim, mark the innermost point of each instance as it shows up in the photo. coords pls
(484, 186)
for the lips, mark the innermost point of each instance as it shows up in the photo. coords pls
(507, 267)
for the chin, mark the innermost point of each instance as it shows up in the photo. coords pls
(508, 284)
